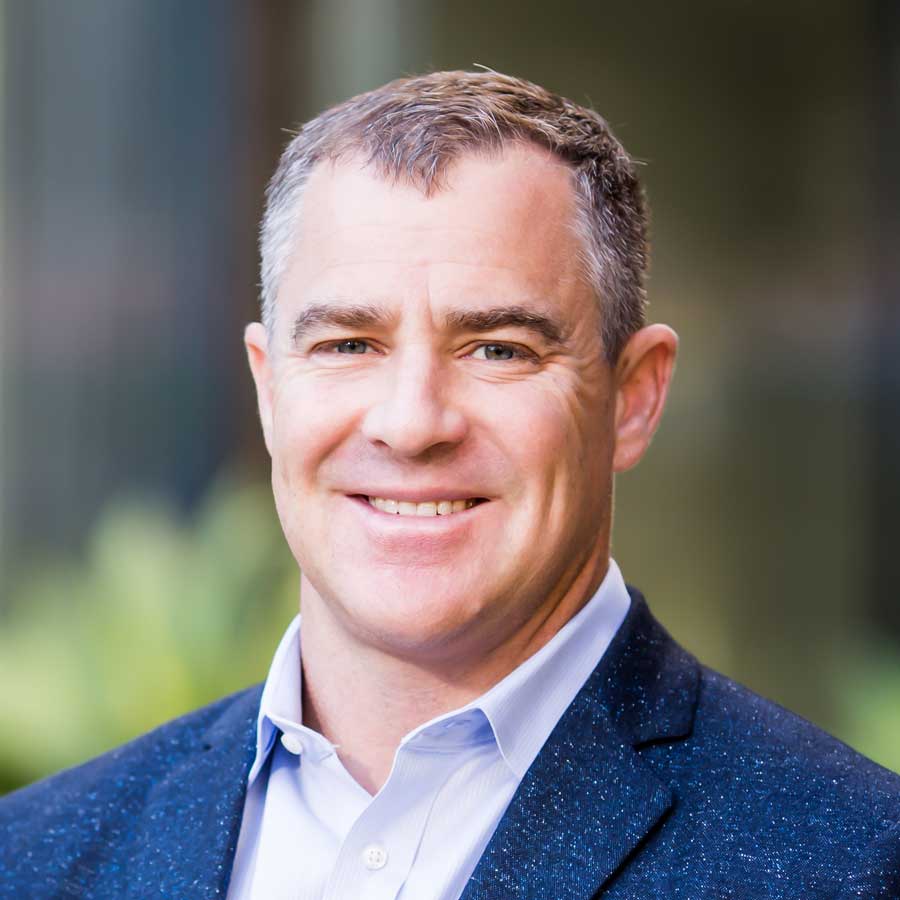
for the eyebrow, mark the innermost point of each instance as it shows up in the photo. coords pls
(506, 317)
(356, 315)
(342, 315)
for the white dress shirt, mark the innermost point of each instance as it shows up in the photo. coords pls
(310, 832)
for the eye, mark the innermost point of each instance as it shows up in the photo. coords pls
(500, 352)
(351, 345)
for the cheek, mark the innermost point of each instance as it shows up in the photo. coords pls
(309, 420)
(562, 444)
(558, 433)
(544, 443)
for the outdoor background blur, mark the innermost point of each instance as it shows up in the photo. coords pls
(142, 571)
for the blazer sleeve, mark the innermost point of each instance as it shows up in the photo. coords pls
(878, 875)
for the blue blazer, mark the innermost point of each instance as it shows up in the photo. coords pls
(662, 780)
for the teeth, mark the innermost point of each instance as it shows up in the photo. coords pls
(429, 508)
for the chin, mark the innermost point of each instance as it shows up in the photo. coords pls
(409, 619)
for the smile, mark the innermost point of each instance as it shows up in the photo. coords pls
(428, 508)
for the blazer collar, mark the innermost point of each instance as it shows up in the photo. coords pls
(588, 799)
(187, 834)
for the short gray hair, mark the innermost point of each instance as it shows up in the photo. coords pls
(411, 129)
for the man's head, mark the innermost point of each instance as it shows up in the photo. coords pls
(411, 131)
(443, 417)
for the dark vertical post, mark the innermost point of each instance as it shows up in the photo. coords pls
(885, 275)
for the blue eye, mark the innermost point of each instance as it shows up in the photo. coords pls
(499, 352)
(351, 346)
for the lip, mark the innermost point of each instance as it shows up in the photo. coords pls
(423, 495)
(384, 524)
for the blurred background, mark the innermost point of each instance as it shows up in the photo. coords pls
(142, 571)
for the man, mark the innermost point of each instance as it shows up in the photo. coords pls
(452, 364)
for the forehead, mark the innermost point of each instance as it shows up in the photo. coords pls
(505, 220)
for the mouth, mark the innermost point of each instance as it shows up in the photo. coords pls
(425, 508)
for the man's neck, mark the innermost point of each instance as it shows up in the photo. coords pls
(365, 710)
(365, 699)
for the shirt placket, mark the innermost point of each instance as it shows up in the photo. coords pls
(377, 854)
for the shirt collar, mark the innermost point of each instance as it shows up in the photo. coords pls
(281, 698)
(521, 709)
(525, 706)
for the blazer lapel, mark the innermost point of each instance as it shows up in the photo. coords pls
(588, 799)
(188, 831)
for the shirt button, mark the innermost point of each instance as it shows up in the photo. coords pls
(374, 857)
(291, 743)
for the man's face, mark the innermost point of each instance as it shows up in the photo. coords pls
(437, 404)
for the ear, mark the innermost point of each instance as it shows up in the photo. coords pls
(643, 375)
(256, 340)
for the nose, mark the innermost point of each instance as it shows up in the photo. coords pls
(413, 412)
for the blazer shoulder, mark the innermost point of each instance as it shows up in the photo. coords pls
(99, 794)
(760, 743)
(764, 796)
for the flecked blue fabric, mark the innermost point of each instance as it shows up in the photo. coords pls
(662, 780)
(157, 818)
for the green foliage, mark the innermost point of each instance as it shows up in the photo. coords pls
(868, 692)
(161, 616)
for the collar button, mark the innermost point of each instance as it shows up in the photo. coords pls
(292, 744)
